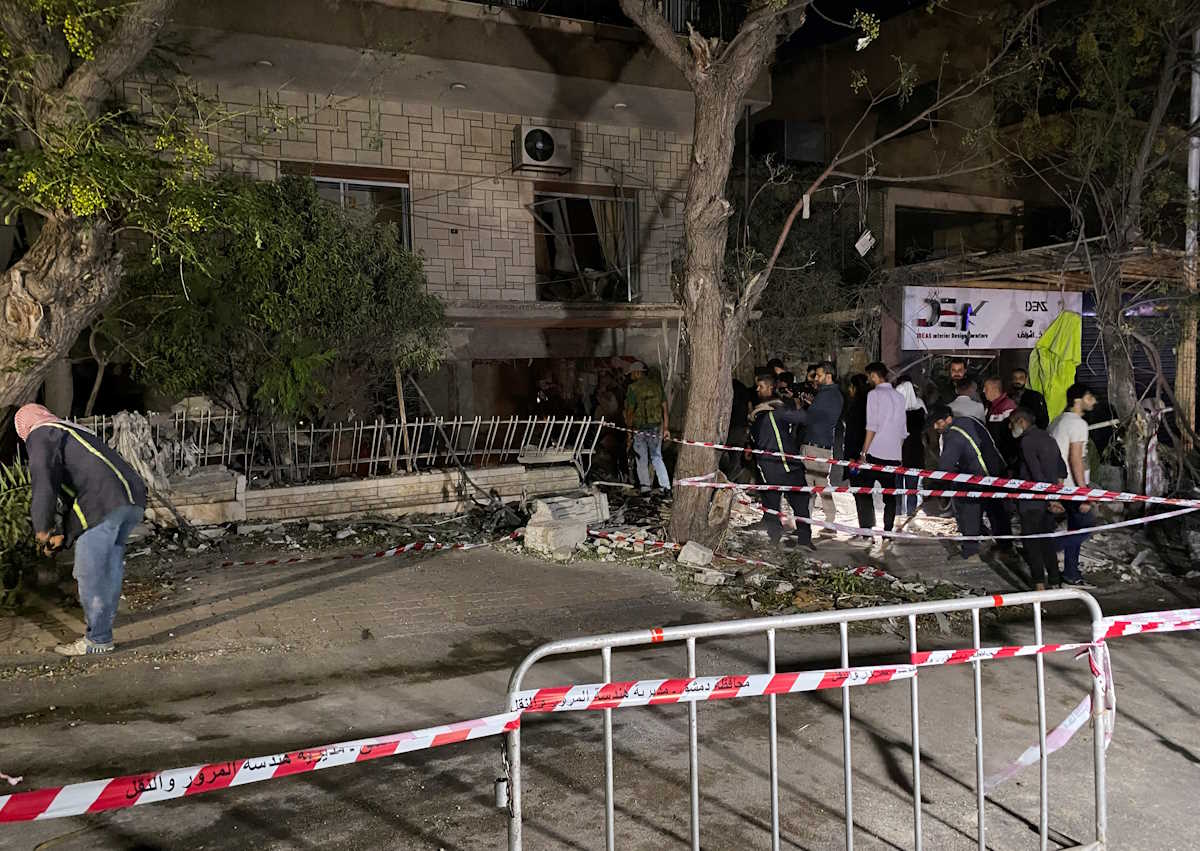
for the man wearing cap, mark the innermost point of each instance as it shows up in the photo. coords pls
(103, 499)
(646, 414)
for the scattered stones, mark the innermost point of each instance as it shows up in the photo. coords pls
(708, 576)
(315, 527)
(784, 588)
(255, 528)
(344, 534)
(696, 555)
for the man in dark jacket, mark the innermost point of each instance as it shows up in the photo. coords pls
(824, 414)
(103, 500)
(772, 427)
(968, 448)
(1038, 460)
(1028, 398)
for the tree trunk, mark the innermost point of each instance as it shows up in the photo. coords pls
(707, 317)
(1122, 389)
(49, 296)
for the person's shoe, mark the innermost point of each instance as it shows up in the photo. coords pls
(644, 491)
(1079, 583)
(1039, 586)
(806, 545)
(83, 647)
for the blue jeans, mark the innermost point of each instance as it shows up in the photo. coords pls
(648, 448)
(100, 568)
(1071, 544)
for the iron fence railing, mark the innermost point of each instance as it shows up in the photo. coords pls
(268, 452)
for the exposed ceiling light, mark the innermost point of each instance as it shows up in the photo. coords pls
(620, 105)
(265, 63)
(458, 86)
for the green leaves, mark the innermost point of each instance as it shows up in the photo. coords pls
(15, 527)
(293, 290)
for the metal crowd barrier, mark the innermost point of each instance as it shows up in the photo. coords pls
(769, 627)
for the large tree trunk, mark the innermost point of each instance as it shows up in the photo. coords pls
(1118, 356)
(708, 319)
(49, 296)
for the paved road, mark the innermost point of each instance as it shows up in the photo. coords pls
(335, 651)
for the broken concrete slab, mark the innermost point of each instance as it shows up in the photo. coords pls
(695, 555)
(589, 508)
(555, 538)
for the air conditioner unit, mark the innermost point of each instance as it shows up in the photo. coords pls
(544, 149)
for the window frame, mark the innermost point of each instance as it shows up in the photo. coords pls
(549, 190)
(330, 174)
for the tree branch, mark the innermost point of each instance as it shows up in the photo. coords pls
(122, 51)
(650, 21)
(1165, 90)
(47, 53)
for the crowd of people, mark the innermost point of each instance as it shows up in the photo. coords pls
(986, 427)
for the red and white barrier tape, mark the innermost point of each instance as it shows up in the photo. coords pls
(135, 789)
(693, 689)
(415, 547)
(948, 494)
(148, 788)
(928, 658)
(1060, 533)
(942, 475)
(1172, 621)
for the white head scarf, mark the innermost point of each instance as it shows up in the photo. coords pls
(911, 401)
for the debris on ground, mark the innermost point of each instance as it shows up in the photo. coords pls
(695, 555)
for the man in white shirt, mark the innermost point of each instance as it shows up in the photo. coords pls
(887, 426)
(1070, 431)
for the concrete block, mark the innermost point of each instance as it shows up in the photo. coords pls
(592, 508)
(696, 555)
(555, 538)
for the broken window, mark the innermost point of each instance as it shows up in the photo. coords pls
(586, 247)
(382, 195)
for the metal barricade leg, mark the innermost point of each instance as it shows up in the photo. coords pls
(514, 789)
(693, 750)
(1043, 780)
(980, 798)
(774, 746)
(848, 766)
(916, 738)
(609, 820)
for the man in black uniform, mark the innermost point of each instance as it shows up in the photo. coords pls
(772, 425)
(968, 448)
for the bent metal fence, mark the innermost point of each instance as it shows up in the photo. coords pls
(302, 452)
(690, 689)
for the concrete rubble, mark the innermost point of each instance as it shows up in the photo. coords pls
(695, 555)
(560, 524)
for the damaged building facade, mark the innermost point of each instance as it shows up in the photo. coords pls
(536, 163)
